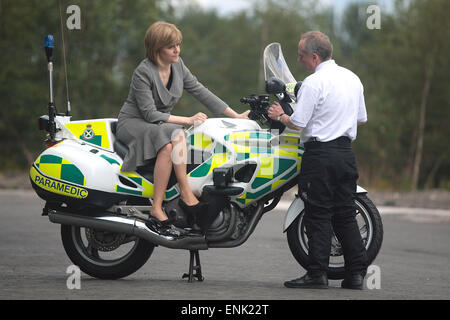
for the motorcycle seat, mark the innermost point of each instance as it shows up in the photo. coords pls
(120, 148)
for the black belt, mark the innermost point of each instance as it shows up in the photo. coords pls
(339, 142)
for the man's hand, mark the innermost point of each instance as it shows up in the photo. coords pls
(274, 111)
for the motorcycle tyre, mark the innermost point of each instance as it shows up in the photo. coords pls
(339, 273)
(135, 261)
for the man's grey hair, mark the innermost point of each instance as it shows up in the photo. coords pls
(317, 42)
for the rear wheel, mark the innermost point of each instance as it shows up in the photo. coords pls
(105, 255)
(370, 226)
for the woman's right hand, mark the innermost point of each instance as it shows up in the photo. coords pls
(197, 119)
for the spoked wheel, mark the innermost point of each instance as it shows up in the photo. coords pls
(103, 254)
(370, 226)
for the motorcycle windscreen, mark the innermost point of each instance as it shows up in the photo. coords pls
(275, 65)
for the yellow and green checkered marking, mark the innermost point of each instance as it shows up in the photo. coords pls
(94, 132)
(251, 196)
(290, 87)
(200, 140)
(278, 164)
(56, 186)
(250, 144)
(146, 185)
(264, 135)
(271, 168)
(219, 157)
(61, 169)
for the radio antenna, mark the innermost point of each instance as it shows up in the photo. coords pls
(64, 58)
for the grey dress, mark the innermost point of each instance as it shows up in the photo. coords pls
(142, 122)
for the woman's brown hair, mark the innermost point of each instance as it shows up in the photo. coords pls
(159, 35)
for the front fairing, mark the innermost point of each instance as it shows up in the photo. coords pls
(272, 159)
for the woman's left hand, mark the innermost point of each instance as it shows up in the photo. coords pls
(243, 115)
(233, 114)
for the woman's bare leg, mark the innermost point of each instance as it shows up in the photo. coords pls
(179, 160)
(163, 169)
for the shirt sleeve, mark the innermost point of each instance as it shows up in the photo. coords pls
(202, 94)
(362, 113)
(142, 89)
(307, 100)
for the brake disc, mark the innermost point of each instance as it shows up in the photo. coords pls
(104, 240)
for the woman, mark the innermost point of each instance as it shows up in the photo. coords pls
(145, 121)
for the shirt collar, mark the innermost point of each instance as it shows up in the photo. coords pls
(324, 64)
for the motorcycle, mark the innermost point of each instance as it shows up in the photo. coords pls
(237, 166)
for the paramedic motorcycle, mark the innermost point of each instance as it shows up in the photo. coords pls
(240, 167)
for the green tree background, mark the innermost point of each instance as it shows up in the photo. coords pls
(404, 67)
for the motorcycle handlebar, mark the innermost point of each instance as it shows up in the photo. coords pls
(256, 101)
(258, 105)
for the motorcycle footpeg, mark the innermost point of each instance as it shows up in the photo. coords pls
(171, 230)
(194, 232)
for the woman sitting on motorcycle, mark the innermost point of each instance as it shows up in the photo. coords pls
(145, 122)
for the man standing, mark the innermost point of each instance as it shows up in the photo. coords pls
(330, 105)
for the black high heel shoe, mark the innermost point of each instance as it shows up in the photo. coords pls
(165, 228)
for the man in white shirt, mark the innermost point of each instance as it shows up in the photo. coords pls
(330, 105)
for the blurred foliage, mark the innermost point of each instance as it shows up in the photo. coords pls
(225, 53)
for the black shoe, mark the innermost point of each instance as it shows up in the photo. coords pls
(201, 207)
(354, 281)
(308, 282)
(165, 228)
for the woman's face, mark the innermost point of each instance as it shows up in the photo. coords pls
(170, 54)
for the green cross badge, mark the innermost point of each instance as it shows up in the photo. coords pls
(88, 134)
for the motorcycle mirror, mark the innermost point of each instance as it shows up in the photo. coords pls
(49, 47)
(275, 86)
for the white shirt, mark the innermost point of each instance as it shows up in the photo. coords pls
(330, 103)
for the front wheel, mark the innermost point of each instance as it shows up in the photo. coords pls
(105, 255)
(370, 226)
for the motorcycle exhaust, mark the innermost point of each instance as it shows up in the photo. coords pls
(131, 226)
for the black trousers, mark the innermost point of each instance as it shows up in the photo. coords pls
(327, 185)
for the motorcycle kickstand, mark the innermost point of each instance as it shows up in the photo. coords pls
(197, 268)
